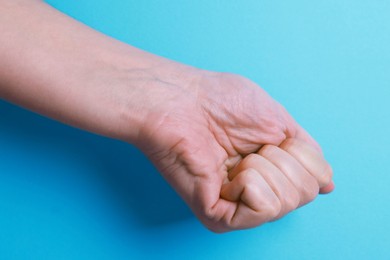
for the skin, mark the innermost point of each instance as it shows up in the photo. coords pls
(233, 153)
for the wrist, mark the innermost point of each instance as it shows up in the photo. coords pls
(146, 84)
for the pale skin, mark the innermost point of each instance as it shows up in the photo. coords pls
(235, 155)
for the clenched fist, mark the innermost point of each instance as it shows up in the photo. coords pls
(274, 181)
(233, 153)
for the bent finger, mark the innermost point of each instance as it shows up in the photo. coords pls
(285, 191)
(303, 135)
(256, 203)
(310, 158)
(305, 184)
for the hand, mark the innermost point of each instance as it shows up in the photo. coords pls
(274, 181)
(198, 133)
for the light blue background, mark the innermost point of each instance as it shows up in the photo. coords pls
(67, 194)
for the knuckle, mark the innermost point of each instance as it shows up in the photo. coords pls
(249, 160)
(272, 209)
(250, 187)
(209, 214)
(309, 191)
(291, 201)
(209, 218)
(246, 177)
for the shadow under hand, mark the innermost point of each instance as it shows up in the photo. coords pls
(128, 175)
(136, 183)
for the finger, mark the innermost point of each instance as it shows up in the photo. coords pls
(310, 159)
(303, 135)
(279, 183)
(256, 203)
(305, 184)
(294, 130)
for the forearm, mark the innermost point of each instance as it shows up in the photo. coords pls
(56, 66)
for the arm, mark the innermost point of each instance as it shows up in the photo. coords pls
(197, 127)
(58, 67)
